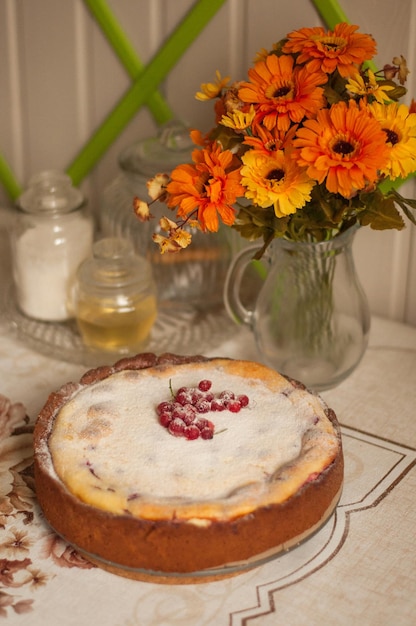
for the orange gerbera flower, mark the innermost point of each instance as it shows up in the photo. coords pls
(283, 93)
(210, 187)
(269, 141)
(344, 146)
(341, 49)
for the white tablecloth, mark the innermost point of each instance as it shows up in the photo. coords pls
(359, 569)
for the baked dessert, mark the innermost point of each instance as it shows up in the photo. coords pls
(122, 474)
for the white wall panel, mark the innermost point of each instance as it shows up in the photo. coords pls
(59, 79)
(199, 63)
(47, 49)
(410, 262)
(269, 21)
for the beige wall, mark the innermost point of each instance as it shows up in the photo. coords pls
(59, 79)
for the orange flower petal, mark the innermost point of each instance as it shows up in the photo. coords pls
(345, 146)
(342, 49)
(209, 186)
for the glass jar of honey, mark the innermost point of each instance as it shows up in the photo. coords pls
(114, 298)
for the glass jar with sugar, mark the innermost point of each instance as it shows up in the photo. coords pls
(52, 235)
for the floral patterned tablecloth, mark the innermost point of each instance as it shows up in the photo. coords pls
(359, 568)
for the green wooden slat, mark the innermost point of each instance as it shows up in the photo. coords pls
(330, 11)
(122, 47)
(140, 91)
(8, 180)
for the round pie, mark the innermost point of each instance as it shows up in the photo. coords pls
(186, 467)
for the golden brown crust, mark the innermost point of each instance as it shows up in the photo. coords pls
(166, 546)
(170, 546)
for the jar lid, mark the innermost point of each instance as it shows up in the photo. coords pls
(114, 266)
(50, 191)
(162, 153)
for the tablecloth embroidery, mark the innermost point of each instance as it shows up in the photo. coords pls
(18, 510)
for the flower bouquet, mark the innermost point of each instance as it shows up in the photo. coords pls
(300, 150)
(312, 145)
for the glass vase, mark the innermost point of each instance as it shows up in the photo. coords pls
(310, 318)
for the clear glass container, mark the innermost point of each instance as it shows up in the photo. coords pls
(51, 234)
(311, 318)
(114, 298)
(195, 276)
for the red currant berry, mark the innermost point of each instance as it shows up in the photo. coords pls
(234, 406)
(196, 395)
(204, 385)
(243, 400)
(164, 407)
(227, 395)
(217, 405)
(178, 411)
(183, 397)
(165, 419)
(201, 422)
(177, 427)
(189, 414)
(203, 406)
(191, 432)
(207, 433)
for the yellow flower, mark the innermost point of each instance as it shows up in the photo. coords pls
(399, 126)
(263, 53)
(238, 120)
(209, 91)
(370, 87)
(275, 180)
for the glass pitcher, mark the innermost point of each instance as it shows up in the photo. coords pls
(311, 318)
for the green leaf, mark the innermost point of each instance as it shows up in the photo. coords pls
(396, 92)
(254, 222)
(381, 214)
(226, 137)
(405, 204)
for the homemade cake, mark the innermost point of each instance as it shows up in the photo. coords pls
(186, 467)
